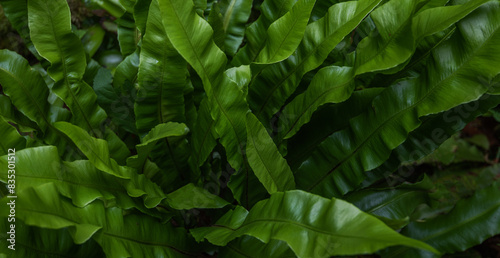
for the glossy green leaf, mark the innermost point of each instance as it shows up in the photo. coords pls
(12, 139)
(256, 33)
(285, 34)
(269, 91)
(335, 226)
(191, 197)
(235, 15)
(127, 34)
(78, 180)
(397, 35)
(463, 63)
(471, 221)
(67, 59)
(396, 203)
(331, 84)
(141, 12)
(92, 39)
(204, 136)
(25, 87)
(265, 160)
(159, 132)
(114, 7)
(97, 152)
(118, 235)
(161, 77)
(327, 120)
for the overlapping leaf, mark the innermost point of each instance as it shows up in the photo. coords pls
(335, 226)
(67, 59)
(462, 65)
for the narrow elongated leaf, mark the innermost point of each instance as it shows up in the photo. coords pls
(256, 33)
(266, 161)
(67, 59)
(141, 12)
(469, 223)
(161, 131)
(204, 135)
(97, 152)
(396, 203)
(335, 226)
(191, 197)
(235, 15)
(161, 78)
(25, 87)
(285, 34)
(462, 64)
(331, 84)
(192, 37)
(397, 35)
(269, 91)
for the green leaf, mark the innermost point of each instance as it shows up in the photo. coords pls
(46, 243)
(322, 90)
(192, 37)
(256, 33)
(17, 13)
(25, 87)
(266, 161)
(118, 235)
(471, 222)
(67, 59)
(203, 139)
(114, 7)
(97, 152)
(12, 139)
(194, 197)
(396, 203)
(127, 34)
(92, 39)
(367, 143)
(141, 13)
(335, 226)
(161, 78)
(285, 34)
(271, 88)
(397, 35)
(160, 132)
(78, 180)
(327, 120)
(235, 15)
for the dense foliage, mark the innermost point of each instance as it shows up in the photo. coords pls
(240, 128)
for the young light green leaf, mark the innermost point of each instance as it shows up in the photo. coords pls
(285, 34)
(265, 160)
